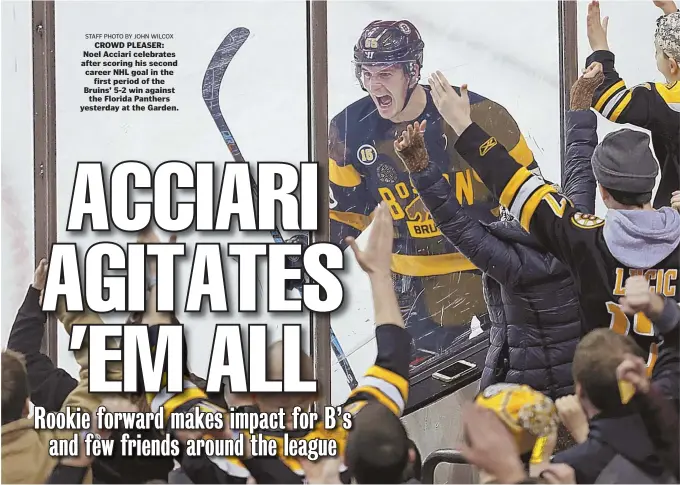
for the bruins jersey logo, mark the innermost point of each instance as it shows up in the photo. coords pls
(586, 221)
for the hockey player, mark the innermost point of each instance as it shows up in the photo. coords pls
(439, 289)
(633, 240)
(653, 106)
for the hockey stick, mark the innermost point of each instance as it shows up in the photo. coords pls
(212, 82)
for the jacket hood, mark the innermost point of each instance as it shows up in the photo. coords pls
(25, 457)
(642, 238)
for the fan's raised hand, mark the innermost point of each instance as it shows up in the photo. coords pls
(410, 147)
(454, 107)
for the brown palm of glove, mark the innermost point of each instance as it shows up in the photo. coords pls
(410, 147)
(581, 96)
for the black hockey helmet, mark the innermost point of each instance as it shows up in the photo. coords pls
(390, 42)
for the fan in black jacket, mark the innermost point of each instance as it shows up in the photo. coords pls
(533, 305)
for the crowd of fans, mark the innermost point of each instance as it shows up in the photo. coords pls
(573, 391)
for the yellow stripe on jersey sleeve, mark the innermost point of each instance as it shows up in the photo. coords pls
(513, 186)
(607, 95)
(435, 264)
(171, 401)
(379, 396)
(231, 466)
(353, 219)
(390, 377)
(529, 208)
(621, 106)
(522, 153)
(346, 176)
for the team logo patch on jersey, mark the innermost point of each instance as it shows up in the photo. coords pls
(387, 174)
(405, 28)
(367, 154)
(487, 145)
(586, 221)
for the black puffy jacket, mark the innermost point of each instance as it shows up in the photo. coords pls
(533, 305)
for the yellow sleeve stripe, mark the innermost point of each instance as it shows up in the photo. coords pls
(531, 205)
(231, 466)
(522, 153)
(353, 219)
(436, 264)
(513, 186)
(346, 176)
(176, 401)
(608, 94)
(622, 105)
(170, 402)
(391, 377)
(389, 390)
(379, 396)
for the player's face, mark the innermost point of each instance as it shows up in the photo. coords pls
(387, 85)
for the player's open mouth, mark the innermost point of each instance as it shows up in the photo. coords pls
(384, 101)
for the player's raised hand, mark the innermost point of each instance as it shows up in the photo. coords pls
(454, 107)
(597, 28)
(376, 259)
(410, 147)
(640, 298)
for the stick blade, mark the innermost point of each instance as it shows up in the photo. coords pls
(220, 61)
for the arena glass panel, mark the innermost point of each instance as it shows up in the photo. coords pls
(18, 262)
(263, 98)
(491, 46)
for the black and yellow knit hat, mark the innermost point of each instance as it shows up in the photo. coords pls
(521, 408)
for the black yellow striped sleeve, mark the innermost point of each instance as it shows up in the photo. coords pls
(387, 380)
(647, 105)
(540, 209)
(189, 398)
(497, 121)
(172, 401)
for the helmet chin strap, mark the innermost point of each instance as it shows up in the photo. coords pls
(409, 93)
(410, 90)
